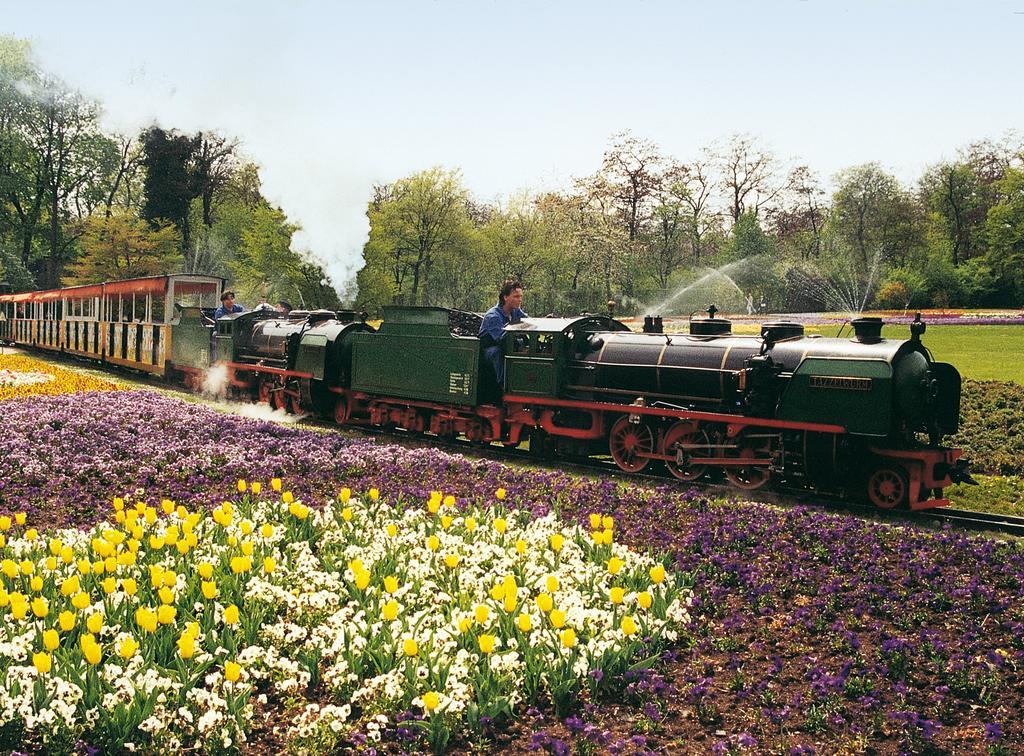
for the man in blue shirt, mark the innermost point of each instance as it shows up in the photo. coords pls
(507, 311)
(227, 305)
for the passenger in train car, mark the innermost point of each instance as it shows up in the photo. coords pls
(506, 312)
(227, 305)
(284, 307)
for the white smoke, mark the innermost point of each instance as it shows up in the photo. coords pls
(215, 382)
(215, 387)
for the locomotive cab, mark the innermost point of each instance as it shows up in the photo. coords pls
(538, 351)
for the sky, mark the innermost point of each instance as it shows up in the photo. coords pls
(330, 98)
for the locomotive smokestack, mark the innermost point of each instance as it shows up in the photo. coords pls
(659, 326)
(649, 324)
(867, 330)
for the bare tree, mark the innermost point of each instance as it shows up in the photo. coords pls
(800, 217)
(750, 175)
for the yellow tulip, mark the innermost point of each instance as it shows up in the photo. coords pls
(42, 662)
(51, 639)
(391, 530)
(165, 615)
(433, 506)
(5, 523)
(481, 613)
(186, 646)
(470, 523)
(628, 625)
(269, 564)
(608, 522)
(231, 615)
(452, 561)
(644, 599)
(109, 585)
(275, 483)
(568, 637)
(66, 620)
(657, 573)
(552, 584)
(617, 594)
(374, 494)
(497, 591)
(80, 600)
(205, 570)
(486, 642)
(166, 595)
(545, 602)
(256, 487)
(91, 649)
(465, 625)
(449, 501)
(129, 586)
(390, 584)
(510, 602)
(433, 543)
(240, 564)
(446, 521)
(362, 579)
(524, 623)
(267, 530)
(344, 495)
(500, 494)
(36, 583)
(557, 618)
(287, 497)
(232, 671)
(146, 618)
(431, 700)
(19, 518)
(410, 647)
(40, 607)
(346, 514)
(128, 647)
(390, 611)
(500, 524)
(615, 565)
(247, 548)
(167, 506)
(209, 589)
(27, 567)
(607, 537)
(557, 540)
(94, 623)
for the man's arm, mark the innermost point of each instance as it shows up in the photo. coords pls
(491, 328)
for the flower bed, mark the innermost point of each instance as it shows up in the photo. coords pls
(22, 376)
(809, 630)
(155, 631)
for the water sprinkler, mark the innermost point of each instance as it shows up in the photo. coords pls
(611, 308)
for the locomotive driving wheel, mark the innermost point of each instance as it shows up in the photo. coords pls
(887, 487)
(683, 437)
(628, 442)
(342, 410)
(748, 477)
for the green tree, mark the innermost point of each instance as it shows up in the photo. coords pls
(169, 184)
(412, 222)
(121, 246)
(1005, 232)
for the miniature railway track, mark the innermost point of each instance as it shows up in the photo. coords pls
(985, 521)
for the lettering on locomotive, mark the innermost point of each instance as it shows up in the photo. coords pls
(842, 382)
(458, 383)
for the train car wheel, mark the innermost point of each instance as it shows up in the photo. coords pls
(628, 441)
(749, 477)
(888, 487)
(294, 405)
(684, 434)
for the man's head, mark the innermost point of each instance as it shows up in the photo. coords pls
(510, 295)
(228, 299)
(284, 306)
